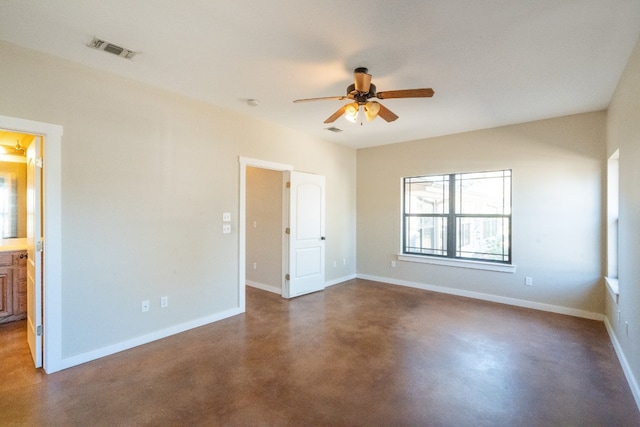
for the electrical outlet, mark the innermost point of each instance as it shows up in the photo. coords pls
(255, 265)
(164, 302)
(145, 306)
(226, 228)
(393, 264)
(335, 264)
(226, 216)
(344, 261)
(528, 281)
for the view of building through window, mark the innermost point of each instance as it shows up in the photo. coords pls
(465, 216)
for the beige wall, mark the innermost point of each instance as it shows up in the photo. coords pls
(623, 133)
(264, 228)
(146, 176)
(557, 213)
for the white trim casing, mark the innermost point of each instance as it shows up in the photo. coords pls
(612, 287)
(462, 263)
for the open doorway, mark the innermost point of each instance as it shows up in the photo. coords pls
(264, 229)
(277, 168)
(302, 214)
(48, 137)
(20, 235)
(13, 225)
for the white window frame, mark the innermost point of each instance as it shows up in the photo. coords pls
(497, 266)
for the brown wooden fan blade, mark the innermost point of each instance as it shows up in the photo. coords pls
(406, 93)
(362, 81)
(339, 98)
(337, 114)
(386, 114)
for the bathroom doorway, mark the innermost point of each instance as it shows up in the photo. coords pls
(20, 231)
(44, 297)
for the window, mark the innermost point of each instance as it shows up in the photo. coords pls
(612, 214)
(613, 191)
(464, 216)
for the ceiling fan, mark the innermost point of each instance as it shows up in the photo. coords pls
(361, 92)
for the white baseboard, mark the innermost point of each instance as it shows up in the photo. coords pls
(278, 291)
(340, 280)
(488, 297)
(145, 339)
(633, 383)
(264, 287)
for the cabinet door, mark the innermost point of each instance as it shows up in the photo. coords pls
(19, 279)
(20, 290)
(6, 295)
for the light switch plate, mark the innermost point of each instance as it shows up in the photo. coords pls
(226, 216)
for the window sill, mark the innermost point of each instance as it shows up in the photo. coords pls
(612, 286)
(477, 265)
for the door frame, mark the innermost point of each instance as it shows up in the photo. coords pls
(52, 232)
(242, 242)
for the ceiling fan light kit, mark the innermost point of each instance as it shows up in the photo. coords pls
(361, 91)
(351, 112)
(371, 110)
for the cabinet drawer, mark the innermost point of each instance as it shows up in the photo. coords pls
(19, 258)
(6, 258)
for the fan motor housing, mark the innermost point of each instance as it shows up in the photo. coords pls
(361, 97)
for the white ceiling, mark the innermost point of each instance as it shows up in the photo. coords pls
(491, 62)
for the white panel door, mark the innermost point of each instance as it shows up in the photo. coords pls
(306, 233)
(34, 251)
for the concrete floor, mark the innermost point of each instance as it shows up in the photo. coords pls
(358, 354)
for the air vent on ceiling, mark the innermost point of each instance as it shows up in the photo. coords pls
(122, 52)
(334, 129)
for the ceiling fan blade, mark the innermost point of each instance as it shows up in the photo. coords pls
(337, 114)
(386, 114)
(338, 98)
(362, 80)
(406, 93)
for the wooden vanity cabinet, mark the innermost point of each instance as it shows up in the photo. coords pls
(13, 286)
